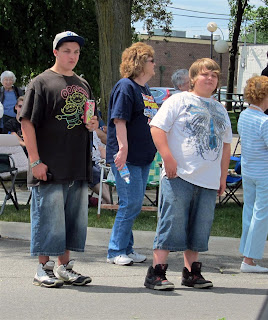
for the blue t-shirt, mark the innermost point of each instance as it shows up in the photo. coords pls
(135, 104)
(9, 103)
(253, 130)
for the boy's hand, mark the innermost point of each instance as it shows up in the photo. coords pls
(93, 124)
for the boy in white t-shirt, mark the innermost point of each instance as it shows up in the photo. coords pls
(192, 132)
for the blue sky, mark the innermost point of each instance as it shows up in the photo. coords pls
(197, 26)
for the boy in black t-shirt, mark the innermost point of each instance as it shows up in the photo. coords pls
(58, 144)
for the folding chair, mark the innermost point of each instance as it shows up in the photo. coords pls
(153, 181)
(233, 183)
(154, 178)
(10, 149)
(7, 165)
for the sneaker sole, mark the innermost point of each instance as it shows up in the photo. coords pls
(42, 284)
(199, 286)
(120, 264)
(139, 261)
(81, 283)
(165, 287)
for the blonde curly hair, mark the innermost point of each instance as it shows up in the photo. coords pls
(134, 59)
(199, 65)
(256, 89)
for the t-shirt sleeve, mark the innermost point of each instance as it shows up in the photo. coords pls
(122, 103)
(34, 105)
(228, 135)
(166, 115)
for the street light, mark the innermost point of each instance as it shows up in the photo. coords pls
(211, 27)
(221, 46)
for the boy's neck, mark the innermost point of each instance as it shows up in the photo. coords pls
(59, 70)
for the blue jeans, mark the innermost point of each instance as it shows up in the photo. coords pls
(255, 217)
(130, 202)
(186, 216)
(59, 216)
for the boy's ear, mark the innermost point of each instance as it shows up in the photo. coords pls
(55, 52)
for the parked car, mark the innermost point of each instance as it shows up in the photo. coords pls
(161, 94)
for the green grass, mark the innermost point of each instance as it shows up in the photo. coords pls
(233, 119)
(227, 222)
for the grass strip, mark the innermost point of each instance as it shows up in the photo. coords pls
(227, 221)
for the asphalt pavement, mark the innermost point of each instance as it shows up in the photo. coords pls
(117, 292)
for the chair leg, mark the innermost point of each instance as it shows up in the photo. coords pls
(9, 195)
(230, 194)
(30, 197)
(100, 191)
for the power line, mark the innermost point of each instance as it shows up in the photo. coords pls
(185, 15)
(218, 14)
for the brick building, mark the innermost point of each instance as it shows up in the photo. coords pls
(179, 53)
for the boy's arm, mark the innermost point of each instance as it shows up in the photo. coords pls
(161, 143)
(225, 160)
(29, 136)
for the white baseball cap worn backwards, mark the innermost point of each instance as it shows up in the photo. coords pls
(67, 36)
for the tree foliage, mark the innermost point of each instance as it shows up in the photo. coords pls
(257, 19)
(28, 27)
(27, 30)
(153, 13)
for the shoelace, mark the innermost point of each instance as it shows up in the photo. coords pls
(50, 273)
(162, 274)
(73, 272)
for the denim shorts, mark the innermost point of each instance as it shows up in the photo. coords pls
(186, 216)
(59, 217)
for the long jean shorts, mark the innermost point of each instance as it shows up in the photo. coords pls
(186, 216)
(59, 217)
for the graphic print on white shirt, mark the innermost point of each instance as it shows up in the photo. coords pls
(205, 126)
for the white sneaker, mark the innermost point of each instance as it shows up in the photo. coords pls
(250, 269)
(136, 257)
(121, 260)
(45, 276)
(66, 273)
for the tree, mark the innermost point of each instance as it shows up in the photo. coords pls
(257, 21)
(114, 20)
(27, 30)
(237, 10)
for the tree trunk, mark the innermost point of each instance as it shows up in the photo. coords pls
(114, 22)
(241, 5)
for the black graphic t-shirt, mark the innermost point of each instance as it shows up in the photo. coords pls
(54, 103)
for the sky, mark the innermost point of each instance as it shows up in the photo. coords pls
(214, 11)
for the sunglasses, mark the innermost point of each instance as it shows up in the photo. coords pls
(150, 61)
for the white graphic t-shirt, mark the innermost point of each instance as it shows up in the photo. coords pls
(196, 129)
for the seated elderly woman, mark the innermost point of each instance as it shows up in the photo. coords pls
(8, 96)
(180, 79)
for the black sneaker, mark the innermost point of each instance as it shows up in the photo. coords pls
(194, 278)
(45, 276)
(156, 278)
(66, 273)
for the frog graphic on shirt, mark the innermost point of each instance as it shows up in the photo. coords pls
(75, 99)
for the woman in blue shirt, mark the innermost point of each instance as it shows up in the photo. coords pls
(8, 96)
(131, 108)
(253, 130)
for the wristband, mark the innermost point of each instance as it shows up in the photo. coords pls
(36, 163)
